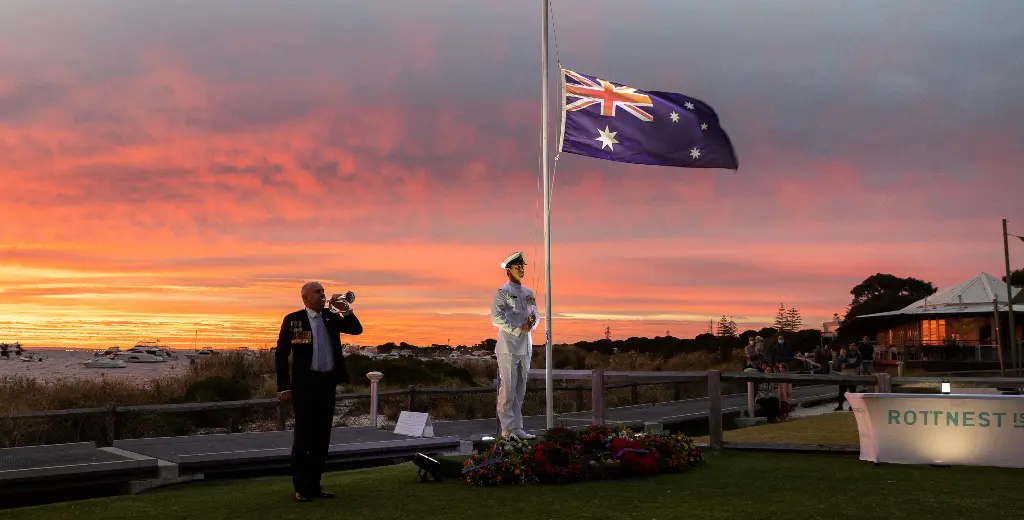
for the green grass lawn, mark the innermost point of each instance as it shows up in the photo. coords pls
(833, 428)
(739, 485)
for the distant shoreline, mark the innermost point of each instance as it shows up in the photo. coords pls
(101, 349)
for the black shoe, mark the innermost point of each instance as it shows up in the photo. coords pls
(302, 497)
(838, 408)
(320, 493)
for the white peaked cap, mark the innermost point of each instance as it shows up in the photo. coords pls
(518, 255)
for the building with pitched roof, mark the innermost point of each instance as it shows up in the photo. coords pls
(963, 322)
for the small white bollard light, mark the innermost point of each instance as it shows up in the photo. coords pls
(945, 386)
(374, 378)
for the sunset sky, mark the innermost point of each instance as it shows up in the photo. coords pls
(168, 167)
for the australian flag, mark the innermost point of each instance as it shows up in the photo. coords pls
(614, 122)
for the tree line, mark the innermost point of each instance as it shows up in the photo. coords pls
(880, 292)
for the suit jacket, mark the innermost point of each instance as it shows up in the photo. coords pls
(297, 336)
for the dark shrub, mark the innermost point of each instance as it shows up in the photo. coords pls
(217, 388)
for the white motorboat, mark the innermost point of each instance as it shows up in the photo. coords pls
(104, 362)
(152, 351)
(112, 351)
(140, 357)
(153, 348)
(29, 357)
(202, 353)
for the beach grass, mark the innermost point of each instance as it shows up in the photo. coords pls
(733, 485)
(228, 376)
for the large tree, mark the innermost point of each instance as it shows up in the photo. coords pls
(1016, 278)
(787, 321)
(885, 292)
(793, 319)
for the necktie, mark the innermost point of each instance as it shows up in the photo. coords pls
(321, 344)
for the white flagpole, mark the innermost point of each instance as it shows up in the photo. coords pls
(548, 393)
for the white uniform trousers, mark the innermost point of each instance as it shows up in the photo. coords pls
(513, 373)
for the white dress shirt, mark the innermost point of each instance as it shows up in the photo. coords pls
(313, 316)
(511, 306)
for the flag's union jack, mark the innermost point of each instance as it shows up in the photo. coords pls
(591, 92)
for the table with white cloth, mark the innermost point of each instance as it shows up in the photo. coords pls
(940, 429)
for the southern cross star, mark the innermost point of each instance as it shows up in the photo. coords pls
(674, 117)
(688, 105)
(607, 138)
(703, 126)
(695, 153)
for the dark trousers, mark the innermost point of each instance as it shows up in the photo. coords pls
(842, 393)
(313, 403)
(769, 407)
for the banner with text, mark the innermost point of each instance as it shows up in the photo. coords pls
(969, 430)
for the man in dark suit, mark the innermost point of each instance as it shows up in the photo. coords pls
(313, 335)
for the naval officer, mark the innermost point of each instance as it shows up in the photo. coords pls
(514, 313)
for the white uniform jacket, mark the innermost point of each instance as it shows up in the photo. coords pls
(511, 306)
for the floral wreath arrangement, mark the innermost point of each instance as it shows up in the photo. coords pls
(564, 455)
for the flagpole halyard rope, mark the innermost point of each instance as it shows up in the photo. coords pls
(554, 34)
(561, 96)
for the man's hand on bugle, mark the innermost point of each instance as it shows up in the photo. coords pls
(528, 325)
(340, 302)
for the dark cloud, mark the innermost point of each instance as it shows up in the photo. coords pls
(230, 169)
(726, 272)
(29, 98)
(248, 109)
(129, 184)
(360, 277)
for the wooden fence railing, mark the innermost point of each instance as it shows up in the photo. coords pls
(600, 381)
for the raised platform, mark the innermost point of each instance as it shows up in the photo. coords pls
(267, 450)
(61, 466)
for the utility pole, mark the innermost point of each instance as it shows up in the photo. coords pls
(1014, 347)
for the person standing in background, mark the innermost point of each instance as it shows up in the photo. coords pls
(848, 363)
(867, 356)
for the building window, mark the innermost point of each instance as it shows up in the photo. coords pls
(933, 332)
